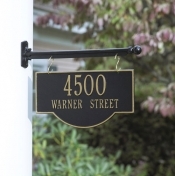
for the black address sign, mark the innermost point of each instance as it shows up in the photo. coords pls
(87, 98)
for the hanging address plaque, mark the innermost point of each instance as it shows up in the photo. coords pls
(85, 99)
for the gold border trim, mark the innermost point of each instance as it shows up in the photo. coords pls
(132, 71)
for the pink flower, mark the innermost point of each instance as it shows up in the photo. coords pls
(100, 22)
(152, 16)
(145, 50)
(153, 43)
(162, 8)
(165, 35)
(163, 110)
(84, 1)
(173, 8)
(171, 110)
(173, 40)
(166, 8)
(141, 38)
(98, 2)
(151, 105)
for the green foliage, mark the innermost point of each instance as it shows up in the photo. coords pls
(146, 140)
(57, 150)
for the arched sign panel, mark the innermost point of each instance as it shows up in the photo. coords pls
(87, 98)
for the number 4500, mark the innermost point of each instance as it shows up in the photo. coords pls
(67, 86)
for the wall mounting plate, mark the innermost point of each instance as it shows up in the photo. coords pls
(24, 60)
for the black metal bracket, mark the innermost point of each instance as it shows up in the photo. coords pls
(27, 54)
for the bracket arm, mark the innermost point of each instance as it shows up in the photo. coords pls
(27, 54)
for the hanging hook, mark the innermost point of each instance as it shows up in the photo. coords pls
(116, 56)
(50, 64)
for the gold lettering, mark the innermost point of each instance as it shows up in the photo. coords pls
(91, 102)
(75, 104)
(85, 85)
(67, 86)
(54, 104)
(64, 104)
(106, 102)
(104, 85)
(77, 83)
(79, 104)
(116, 103)
(59, 104)
(69, 104)
(96, 105)
(111, 103)
(101, 103)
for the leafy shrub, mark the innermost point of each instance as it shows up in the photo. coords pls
(147, 141)
(57, 151)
